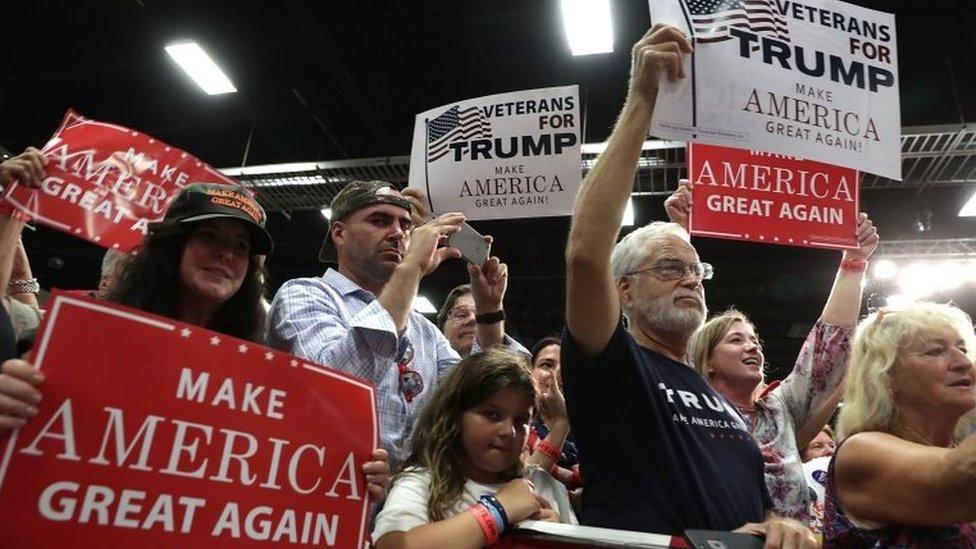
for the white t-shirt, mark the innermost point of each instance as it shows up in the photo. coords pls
(816, 471)
(406, 506)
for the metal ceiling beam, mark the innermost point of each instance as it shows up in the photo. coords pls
(931, 156)
(943, 248)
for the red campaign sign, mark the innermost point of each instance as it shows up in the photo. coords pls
(157, 433)
(105, 182)
(773, 199)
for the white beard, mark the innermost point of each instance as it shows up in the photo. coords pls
(661, 314)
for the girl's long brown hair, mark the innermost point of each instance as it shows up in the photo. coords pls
(436, 443)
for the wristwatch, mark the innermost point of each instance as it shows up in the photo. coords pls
(490, 318)
(24, 286)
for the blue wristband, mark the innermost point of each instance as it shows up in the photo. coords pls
(492, 503)
(494, 515)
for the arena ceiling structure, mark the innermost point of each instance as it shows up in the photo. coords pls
(333, 88)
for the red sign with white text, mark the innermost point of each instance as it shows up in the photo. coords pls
(773, 199)
(105, 182)
(154, 433)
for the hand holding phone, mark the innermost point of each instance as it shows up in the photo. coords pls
(471, 244)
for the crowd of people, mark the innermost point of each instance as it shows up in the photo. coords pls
(644, 415)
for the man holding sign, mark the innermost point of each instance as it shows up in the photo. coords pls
(682, 458)
(359, 317)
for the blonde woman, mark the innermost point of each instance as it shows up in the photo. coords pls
(898, 478)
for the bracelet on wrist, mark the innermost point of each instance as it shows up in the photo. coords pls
(491, 501)
(490, 318)
(854, 265)
(486, 521)
(24, 286)
(549, 450)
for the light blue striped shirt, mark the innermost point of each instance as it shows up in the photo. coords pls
(333, 321)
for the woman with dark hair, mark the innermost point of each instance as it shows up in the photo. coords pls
(549, 433)
(201, 264)
(456, 319)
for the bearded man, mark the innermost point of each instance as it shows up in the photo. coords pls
(660, 450)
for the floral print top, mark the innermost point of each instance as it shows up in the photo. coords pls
(785, 406)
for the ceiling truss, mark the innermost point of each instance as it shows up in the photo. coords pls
(931, 156)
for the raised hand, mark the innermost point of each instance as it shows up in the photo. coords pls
(658, 52)
(867, 238)
(678, 205)
(423, 251)
(488, 283)
(419, 207)
(27, 168)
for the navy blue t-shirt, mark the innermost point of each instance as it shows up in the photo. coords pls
(660, 450)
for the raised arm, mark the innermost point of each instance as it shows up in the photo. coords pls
(592, 308)
(844, 302)
(822, 361)
(27, 168)
(882, 478)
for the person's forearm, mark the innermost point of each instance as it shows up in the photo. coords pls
(603, 197)
(21, 270)
(490, 335)
(555, 439)
(459, 532)
(10, 229)
(844, 302)
(399, 292)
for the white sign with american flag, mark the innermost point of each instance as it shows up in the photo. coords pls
(814, 79)
(501, 156)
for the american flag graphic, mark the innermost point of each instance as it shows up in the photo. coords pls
(454, 124)
(711, 19)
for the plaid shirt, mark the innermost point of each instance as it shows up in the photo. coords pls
(333, 321)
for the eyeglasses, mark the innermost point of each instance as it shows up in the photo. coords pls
(675, 269)
(411, 382)
(460, 315)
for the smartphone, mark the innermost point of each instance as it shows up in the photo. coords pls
(471, 244)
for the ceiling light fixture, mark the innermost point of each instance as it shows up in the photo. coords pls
(885, 269)
(588, 27)
(200, 67)
(628, 220)
(969, 208)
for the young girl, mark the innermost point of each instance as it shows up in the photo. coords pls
(464, 483)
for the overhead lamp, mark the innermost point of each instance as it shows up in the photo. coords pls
(587, 24)
(423, 305)
(648, 145)
(969, 208)
(264, 169)
(885, 269)
(898, 301)
(200, 67)
(327, 213)
(950, 275)
(628, 220)
(914, 280)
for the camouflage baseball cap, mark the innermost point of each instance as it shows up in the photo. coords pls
(203, 201)
(356, 196)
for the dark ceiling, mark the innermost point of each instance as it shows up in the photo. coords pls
(333, 80)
